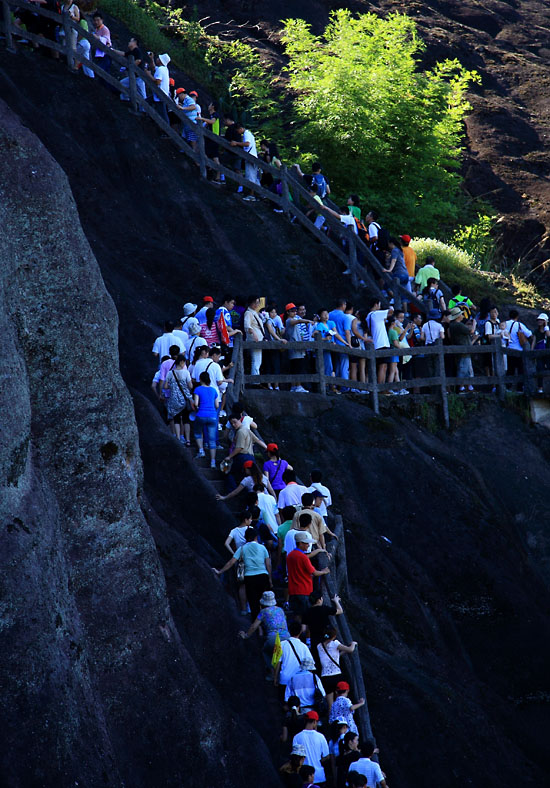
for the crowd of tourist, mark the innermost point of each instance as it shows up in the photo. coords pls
(200, 345)
(275, 550)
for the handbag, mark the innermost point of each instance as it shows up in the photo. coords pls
(319, 700)
(225, 465)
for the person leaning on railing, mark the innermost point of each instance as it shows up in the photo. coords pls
(133, 50)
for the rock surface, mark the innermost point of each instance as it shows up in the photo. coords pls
(98, 685)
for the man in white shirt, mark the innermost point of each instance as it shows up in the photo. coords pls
(294, 652)
(316, 745)
(370, 769)
(248, 144)
(163, 343)
(318, 488)
(513, 327)
(161, 78)
(291, 495)
(376, 326)
(254, 332)
(180, 333)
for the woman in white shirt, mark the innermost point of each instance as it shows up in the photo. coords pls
(329, 652)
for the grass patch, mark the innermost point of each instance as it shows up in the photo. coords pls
(459, 267)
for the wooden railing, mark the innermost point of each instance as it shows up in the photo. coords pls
(337, 583)
(439, 382)
(294, 199)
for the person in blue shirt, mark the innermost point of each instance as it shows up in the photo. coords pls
(207, 401)
(325, 330)
(342, 323)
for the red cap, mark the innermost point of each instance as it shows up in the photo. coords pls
(180, 90)
(171, 82)
(272, 447)
(405, 238)
(290, 306)
(312, 715)
(193, 93)
(342, 685)
(249, 464)
(208, 298)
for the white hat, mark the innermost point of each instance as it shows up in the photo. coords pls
(189, 308)
(164, 59)
(543, 316)
(303, 536)
(194, 327)
(299, 749)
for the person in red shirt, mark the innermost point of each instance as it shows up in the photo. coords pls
(300, 574)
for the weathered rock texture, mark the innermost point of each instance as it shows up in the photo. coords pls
(97, 686)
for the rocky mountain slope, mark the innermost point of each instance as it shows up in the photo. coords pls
(452, 619)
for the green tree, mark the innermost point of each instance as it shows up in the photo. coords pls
(383, 128)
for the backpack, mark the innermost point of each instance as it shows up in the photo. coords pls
(431, 300)
(466, 310)
(320, 181)
(362, 231)
(379, 246)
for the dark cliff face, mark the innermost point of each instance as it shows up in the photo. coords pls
(452, 616)
(452, 619)
(97, 684)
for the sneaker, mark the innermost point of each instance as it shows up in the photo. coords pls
(220, 428)
(250, 198)
(213, 464)
(239, 190)
(461, 389)
(404, 391)
(277, 210)
(301, 390)
(200, 453)
(222, 414)
(347, 272)
(394, 392)
(470, 388)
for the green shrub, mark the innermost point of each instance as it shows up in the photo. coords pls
(459, 267)
(383, 129)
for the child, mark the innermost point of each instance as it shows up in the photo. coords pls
(307, 774)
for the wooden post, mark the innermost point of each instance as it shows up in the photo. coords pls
(69, 51)
(529, 373)
(320, 367)
(132, 83)
(285, 190)
(202, 152)
(352, 257)
(374, 378)
(443, 383)
(6, 13)
(500, 372)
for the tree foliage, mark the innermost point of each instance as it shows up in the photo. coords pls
(383, 128)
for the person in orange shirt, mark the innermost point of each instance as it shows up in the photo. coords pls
(410, 259)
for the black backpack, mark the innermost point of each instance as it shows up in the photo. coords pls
(379, 246)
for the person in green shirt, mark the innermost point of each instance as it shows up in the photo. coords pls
(458, 298)
(393, 336)
(353, 206)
